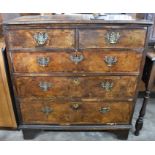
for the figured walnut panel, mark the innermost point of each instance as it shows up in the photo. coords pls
(88, 87)
(127, 61)
(63, 113)
(57, 38)
(129, 38)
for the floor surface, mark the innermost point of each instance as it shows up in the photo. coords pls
(148, 132)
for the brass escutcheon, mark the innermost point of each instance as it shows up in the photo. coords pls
(43, 61)
(112, 37)
(45, 85)
(40, 38)
(110, 60)
(76, 57)
(107, 85)
(46, 110)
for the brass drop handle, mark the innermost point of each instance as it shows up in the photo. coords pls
(43, 61)
(75, 106)
(110, 60)
(45, 85)
(46, 110)
(107, 85)
(40, 38)
(112, 37)
(104, 110)
(76, 57)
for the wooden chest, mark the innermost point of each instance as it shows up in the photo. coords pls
(75, 73)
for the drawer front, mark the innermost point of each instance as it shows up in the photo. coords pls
(106, 87)
(40, 112)
(48, 38)
(113, 38)
(96, 61)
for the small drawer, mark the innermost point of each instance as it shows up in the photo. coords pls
(104, 87)
(112, 38)
(43, 112)
(47, 38)
(86, 61)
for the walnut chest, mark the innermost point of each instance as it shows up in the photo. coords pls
(75, 73)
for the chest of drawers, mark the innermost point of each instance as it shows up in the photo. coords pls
(74, 73)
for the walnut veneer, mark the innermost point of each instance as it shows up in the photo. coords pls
(75, 73)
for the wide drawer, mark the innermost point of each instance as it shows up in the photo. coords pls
(107, 87)
(48, 38)
(43, 112)
(112, 38)
(95, 61)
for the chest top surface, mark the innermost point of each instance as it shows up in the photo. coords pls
(76, 18)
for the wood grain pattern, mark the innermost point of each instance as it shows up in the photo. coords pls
(57, 38)
(61, 62)
(82, 82)
(63, 113)
(89, 38)
(86, 87)
(7, 118)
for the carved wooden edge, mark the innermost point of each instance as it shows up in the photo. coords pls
(57, 74)
(76, 48)
(64, 99)
(81, 23)
(77, 127)
(6, 87)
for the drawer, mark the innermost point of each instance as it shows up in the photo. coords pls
(96, 61)
(106, 87)
(40, 112)
(48, 38)
(112, 38)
